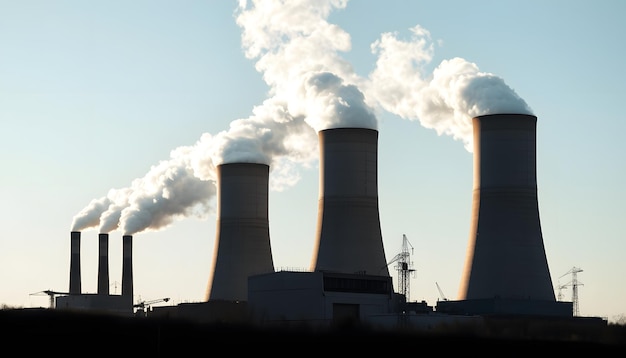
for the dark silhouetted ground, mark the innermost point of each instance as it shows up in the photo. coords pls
(72, 334)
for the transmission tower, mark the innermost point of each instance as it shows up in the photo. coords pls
(574, 283)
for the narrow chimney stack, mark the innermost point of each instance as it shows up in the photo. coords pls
(75, 278)
(103, 264)
(127, 267)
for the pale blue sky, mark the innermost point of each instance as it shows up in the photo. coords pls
(92, 94)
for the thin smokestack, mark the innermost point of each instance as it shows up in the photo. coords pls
(75, 278)
(506, 256)
(349, 237)
(127, 266)
(103, 264)
(242, 244)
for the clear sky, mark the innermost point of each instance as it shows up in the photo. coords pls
(101, 100)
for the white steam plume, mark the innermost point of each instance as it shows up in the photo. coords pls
(184, 185)
(297, 52)
(90, 215)
(295, 49)
(311, 88)
(444, 101)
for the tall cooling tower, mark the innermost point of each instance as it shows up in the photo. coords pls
(242, 243)
(348, 234)
(75, 279)
(127, 266)
(103, 264)
(505, 256)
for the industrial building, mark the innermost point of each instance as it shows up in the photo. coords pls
(506, 273)
(101, 301)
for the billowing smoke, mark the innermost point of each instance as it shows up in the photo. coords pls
(184, 185)
(297, 51)
(445, 100)
(90, 215)
(311, 88)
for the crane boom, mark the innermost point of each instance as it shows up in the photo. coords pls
(51, 294)
(443, 297)
(143, 304)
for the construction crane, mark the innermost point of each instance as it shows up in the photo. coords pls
(559, 296)
(144, 306)
(574, 283)
(404, 267)
(443, 297)
(51, 294)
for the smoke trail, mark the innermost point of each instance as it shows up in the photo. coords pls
(109, 219)
(184, 185)
(311, 88)
(446, 100)
(295, 49)
(90, 215)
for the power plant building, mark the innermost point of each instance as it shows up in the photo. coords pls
(506, 270)
(320, 298)
(349, 279)
(102, 301)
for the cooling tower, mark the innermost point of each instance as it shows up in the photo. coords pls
(127, 266)
(75, 279)
(348, 234)
(103, 264)
(242, 243)
(505, 256)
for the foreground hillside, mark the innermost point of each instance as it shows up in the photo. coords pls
(66, 333)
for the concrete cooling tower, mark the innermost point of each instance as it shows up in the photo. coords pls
(242, 243)
(505, 256)
(103, 264)
(348, 234)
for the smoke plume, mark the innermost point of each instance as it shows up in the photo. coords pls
(445, 100)
(184, 185)
(311, 88)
